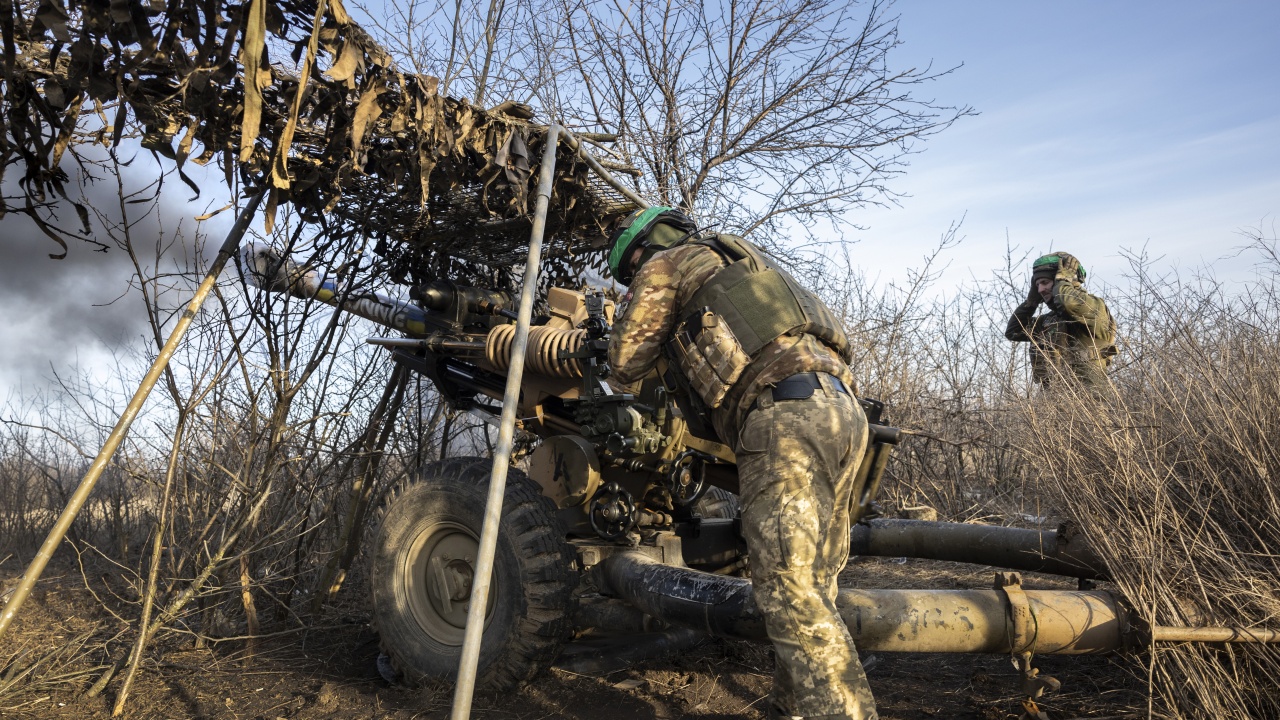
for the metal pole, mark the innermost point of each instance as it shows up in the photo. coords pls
(77, 501)
(506, 436)
(1171, 634)
(604, 174)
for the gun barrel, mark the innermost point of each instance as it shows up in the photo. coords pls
(407, 343)
(266, 269)
(431, 343)
(391, 312)
(443, 296)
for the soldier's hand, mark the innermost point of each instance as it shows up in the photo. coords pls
(1068, 268)
(1033, 296)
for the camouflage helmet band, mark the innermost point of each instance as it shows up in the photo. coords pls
(1048, 264)
(622, 244)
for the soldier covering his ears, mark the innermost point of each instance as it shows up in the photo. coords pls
(768, 362)
(1076, 337)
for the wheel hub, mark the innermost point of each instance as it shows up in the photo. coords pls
(452, 580)
(443, 562)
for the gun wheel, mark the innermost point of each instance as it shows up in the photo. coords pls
(423, 563)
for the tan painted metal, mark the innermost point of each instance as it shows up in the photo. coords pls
(567, 469)
(1063, 622)
(977, 621)
(1060, 552)
(1171, 634)
(546, 350)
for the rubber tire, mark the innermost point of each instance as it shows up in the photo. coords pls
(718, 503)
(534, 575)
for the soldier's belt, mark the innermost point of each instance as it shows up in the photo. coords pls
(798, 387)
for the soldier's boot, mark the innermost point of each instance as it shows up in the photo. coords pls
(773, 712)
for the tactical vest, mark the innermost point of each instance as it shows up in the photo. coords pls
(1061, 339)
(740, 309)
(1064, 331)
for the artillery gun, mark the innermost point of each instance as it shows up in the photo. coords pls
(626, 492)
(624, 516)
(617, 469)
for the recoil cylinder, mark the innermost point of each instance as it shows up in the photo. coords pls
(543, 355)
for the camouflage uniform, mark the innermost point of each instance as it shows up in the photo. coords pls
(1077, 334)
(797, 459)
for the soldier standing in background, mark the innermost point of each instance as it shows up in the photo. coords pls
(768, 363)
(1077, 337)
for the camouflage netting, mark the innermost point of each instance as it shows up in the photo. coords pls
(363, 150)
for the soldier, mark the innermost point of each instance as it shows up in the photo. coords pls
(768, 362)
(1077, 337)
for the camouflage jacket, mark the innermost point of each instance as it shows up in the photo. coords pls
(661, 287)
(1078, 332)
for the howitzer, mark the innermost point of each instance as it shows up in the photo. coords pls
(617, 459)
(618, 469)
(625, 517)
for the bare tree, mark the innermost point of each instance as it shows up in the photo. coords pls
(750, 113)
(477, 48)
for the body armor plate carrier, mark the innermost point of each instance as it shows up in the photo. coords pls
(742, 308)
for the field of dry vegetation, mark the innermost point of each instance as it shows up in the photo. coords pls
(226, 536)
(218, 570)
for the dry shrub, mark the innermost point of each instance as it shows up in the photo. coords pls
(237, 505)
(938, 359)
(1171, 474)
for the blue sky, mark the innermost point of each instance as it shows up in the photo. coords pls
(1104, 126)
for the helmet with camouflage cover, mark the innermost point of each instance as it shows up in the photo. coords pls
(657, 228)
(1049, 266)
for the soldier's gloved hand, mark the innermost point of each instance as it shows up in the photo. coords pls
(1033, 296)
(1068, 268)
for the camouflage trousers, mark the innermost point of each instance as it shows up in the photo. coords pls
(796, 465)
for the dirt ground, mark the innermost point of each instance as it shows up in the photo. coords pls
(56, 651)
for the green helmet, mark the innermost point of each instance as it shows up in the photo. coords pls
(1047, 265)
(658, 227)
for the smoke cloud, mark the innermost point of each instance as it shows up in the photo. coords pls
(82, 309)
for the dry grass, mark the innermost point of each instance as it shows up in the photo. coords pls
(1172, 472)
